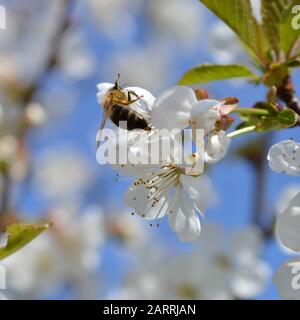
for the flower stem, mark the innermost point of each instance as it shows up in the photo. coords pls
(254, 111)
(241, 132)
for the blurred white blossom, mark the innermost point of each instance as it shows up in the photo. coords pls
(68, 253)
(35, 23)
(237, 258)
(75, 59)
(116, 17)
(63, 173)
(222, 267)
(225, 47)
(139, 286)
(35, 115)
(126, 229)
(170, 18)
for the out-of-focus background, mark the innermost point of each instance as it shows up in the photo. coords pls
(52, 55)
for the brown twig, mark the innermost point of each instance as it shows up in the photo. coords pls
(287, 94)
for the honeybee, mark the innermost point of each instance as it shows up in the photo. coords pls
(116, 106)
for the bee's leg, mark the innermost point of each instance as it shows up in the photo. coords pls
(99, 136)
(130, 100)
(130, 93)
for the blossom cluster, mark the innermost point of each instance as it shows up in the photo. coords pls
(180, 191)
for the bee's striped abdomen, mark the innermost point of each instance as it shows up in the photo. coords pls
(133, 119)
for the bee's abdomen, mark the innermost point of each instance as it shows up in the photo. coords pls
(133, 119)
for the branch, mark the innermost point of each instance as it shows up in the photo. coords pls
(287, 93)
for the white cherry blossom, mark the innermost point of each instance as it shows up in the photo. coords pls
(179, 108)
(169, 191)
(288, 225)
(287, 277)
(284, 157)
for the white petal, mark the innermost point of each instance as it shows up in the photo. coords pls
(103, 89)
(3, 239)
(136, 197)
(250, 278)
(204, 116)
(172, 109)
(200, 189)
(287, 280)
(284, 157)
(217, 147)
(129, 145)
(183, 218)
(286, 197)
(288, 225)
(144, 105)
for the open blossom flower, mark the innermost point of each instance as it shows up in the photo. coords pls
(284, 157)
(169, 191)
(287, 277)
(179, 108)
(172, 186)
(180, 191)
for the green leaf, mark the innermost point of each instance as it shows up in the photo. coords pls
(287, 118)
(289, 36)
(293, 63)
(237, 14)
(275, 120)
(213, 72)
(271, 14)
(19, 235)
